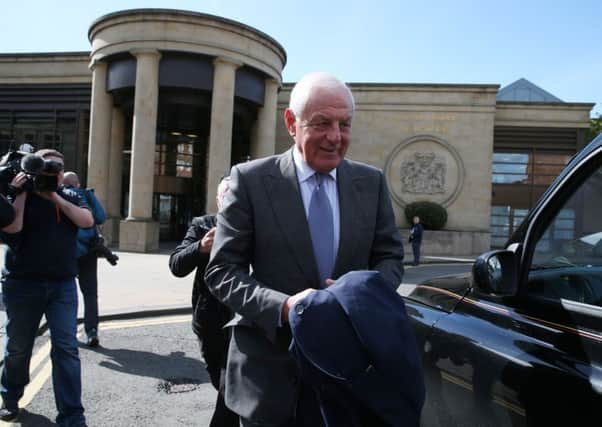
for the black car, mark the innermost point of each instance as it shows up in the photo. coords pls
(519, 340)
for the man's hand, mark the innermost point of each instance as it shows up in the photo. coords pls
(330, 282)
(207, 241)
(18, 204)
(292, 300)
(16, 185)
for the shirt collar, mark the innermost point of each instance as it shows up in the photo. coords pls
(304, 171)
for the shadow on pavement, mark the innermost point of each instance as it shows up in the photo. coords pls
(30, 419)
(147, 364)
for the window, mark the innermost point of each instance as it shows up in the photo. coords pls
(174, 160)
(504, 220)
(535, 167)
(519, 179)
(510, 168)
(567, 261)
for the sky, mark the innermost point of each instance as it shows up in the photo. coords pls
(554, 44)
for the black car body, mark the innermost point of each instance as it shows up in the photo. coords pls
(518, 341)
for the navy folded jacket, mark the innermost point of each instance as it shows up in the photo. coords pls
(355, 347)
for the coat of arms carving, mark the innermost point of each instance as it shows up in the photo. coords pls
(424, 173)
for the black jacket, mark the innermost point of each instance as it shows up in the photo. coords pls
(208, 312)
(416, 232)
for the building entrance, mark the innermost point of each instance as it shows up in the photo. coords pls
(180, 165)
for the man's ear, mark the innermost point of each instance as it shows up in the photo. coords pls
(290, 121)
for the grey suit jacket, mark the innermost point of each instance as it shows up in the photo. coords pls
(263, 224)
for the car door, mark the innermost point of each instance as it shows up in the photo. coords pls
(559, 301)
(533, 357)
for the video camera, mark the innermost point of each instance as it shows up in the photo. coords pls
(42, 174)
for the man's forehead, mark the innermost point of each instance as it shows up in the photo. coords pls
(342, 114)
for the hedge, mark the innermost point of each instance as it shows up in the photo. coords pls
(432, 215)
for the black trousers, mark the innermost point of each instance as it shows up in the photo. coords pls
(416, 251)
(214, 349)
(87, 278)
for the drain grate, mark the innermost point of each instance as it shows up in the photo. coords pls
(178, 385)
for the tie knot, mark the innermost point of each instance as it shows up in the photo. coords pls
(320, 177)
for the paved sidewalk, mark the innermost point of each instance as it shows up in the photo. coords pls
(140, 282)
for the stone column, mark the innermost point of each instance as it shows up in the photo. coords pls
(263, 141)
(139, 232)
(220, 134)
(100, 131)
(110, 229)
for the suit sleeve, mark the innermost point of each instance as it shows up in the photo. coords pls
(387, 249)
(227, 274)
(186, 257)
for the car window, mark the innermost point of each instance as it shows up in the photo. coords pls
(567, 261)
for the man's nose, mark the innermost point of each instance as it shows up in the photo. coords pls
(334, 132)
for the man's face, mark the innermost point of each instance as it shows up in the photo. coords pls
(322, 133)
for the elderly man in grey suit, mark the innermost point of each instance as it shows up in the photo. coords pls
(300, 220)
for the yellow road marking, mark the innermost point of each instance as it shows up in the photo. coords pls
(496, 399)
(515, 408)
(36, 384)
(146, 322)
(40, 355)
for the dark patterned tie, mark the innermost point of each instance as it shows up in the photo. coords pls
(321, 227)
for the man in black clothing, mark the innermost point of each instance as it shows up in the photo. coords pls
(209, 315)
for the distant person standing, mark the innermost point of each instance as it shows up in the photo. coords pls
(416, 239)
(87, 258)
(209, 315)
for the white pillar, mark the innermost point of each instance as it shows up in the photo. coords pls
(139, 232)
(220, 134)
(264, 136)
(100, 132)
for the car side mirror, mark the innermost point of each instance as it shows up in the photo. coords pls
(495, 272)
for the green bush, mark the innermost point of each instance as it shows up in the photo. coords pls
(432, 215)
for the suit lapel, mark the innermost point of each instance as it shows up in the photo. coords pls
(350, 212)
(283, 191)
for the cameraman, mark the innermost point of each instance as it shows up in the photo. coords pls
(87, 258)
(39, 279)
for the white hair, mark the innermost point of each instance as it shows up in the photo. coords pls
(303, 89)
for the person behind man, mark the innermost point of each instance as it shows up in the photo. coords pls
(416, 238)
(39, 279)
(87, 259)
(300, 220)
(209, 315)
